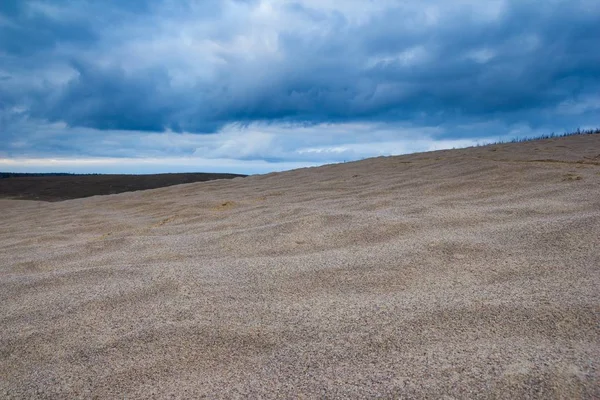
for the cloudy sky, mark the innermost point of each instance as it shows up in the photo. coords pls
(260, 85)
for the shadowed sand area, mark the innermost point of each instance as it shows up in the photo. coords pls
(469, 273)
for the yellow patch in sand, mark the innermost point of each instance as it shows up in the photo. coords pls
(224, 206)
(164, 221)
(571, 177)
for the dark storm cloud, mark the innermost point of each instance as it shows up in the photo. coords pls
(109, 99)
(429, 64)
(35, 26)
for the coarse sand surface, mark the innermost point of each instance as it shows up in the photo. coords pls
(471, 273)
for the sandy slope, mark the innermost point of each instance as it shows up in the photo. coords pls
(465, 273)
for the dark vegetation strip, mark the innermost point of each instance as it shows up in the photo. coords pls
(56, 187)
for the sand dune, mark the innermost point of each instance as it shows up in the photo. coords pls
(469, 273)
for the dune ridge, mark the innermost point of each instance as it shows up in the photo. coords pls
(470, 273)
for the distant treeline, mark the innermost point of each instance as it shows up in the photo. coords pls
(48, 174)
(27, 174)
(64, 186)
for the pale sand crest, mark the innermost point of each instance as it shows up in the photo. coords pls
(468, 273)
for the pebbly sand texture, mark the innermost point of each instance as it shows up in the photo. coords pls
(468, 273)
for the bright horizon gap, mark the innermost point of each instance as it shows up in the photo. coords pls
(157, 165)
(112, 165)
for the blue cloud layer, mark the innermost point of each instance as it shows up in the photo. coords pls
(200, 66)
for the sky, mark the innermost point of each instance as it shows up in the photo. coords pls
(253, 86)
